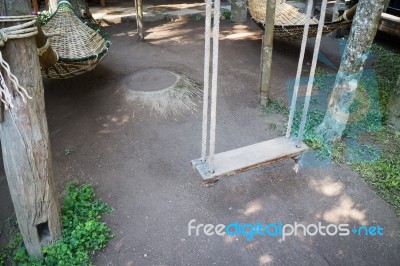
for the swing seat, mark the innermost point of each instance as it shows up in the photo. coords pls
(249, 157)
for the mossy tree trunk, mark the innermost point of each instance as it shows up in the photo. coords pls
(362, 34)
(25, 143)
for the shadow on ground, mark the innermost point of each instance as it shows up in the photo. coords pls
(140, 163)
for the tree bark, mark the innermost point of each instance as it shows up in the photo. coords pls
(266, 56)
(25, 143)
(362, 34)
(52, 5)
(239, 11)
(139, 19)
(81, 8)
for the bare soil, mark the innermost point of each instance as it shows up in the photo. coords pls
(140, 164)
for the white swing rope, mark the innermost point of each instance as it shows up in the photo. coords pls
(299, 69)
(207, 36)
(312, 71)
(214, 85)
(20, 31)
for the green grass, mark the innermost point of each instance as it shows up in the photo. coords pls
(384, 173)
(387, 67)
(82, 235)
(227, 15)
(368, 146)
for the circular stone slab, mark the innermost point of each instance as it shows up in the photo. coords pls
(150, 79)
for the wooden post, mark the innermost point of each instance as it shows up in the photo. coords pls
(266, 58)
(139, 19)
(25, 143)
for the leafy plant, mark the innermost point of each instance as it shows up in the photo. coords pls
(197, 17)
(227, 15)
(42, 17)
(83, 233)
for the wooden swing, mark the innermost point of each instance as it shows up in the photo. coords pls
(215, 166)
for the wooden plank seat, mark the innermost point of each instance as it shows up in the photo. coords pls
(249, 157)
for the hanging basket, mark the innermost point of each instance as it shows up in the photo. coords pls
(80, 46)
(289, 21)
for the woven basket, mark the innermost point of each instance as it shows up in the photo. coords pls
(80, 46)
(289, 21)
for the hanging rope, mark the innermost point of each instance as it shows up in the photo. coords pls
(20, 31)
(312, 71)
(214, 84)
(299, 68)
(207, 36)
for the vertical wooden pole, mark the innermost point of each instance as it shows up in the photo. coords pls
(266, 58)
(25, 143)
(139, 19)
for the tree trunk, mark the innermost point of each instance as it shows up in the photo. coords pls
(239, 11)
(80, 7)
(139, 19)
(362, 34)
(25, 143)
(52, 5)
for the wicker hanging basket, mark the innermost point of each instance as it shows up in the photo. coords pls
(80, 46)
(289, 21)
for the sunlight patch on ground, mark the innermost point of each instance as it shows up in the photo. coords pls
(327, 187)
(252, 207)
(345, 211)
(265, 260)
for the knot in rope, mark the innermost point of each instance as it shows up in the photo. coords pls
(3, 38)
(24, 30)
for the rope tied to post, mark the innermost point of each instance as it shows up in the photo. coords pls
(20, 31)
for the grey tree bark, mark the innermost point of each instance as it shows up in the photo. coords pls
(362, 34)
(52, 5)
(81, 8)
(25, 143)
(239, 11)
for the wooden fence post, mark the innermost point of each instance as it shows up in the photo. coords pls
(266, 57)
(25, 143)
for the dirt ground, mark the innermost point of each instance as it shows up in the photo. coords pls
(139, 162)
